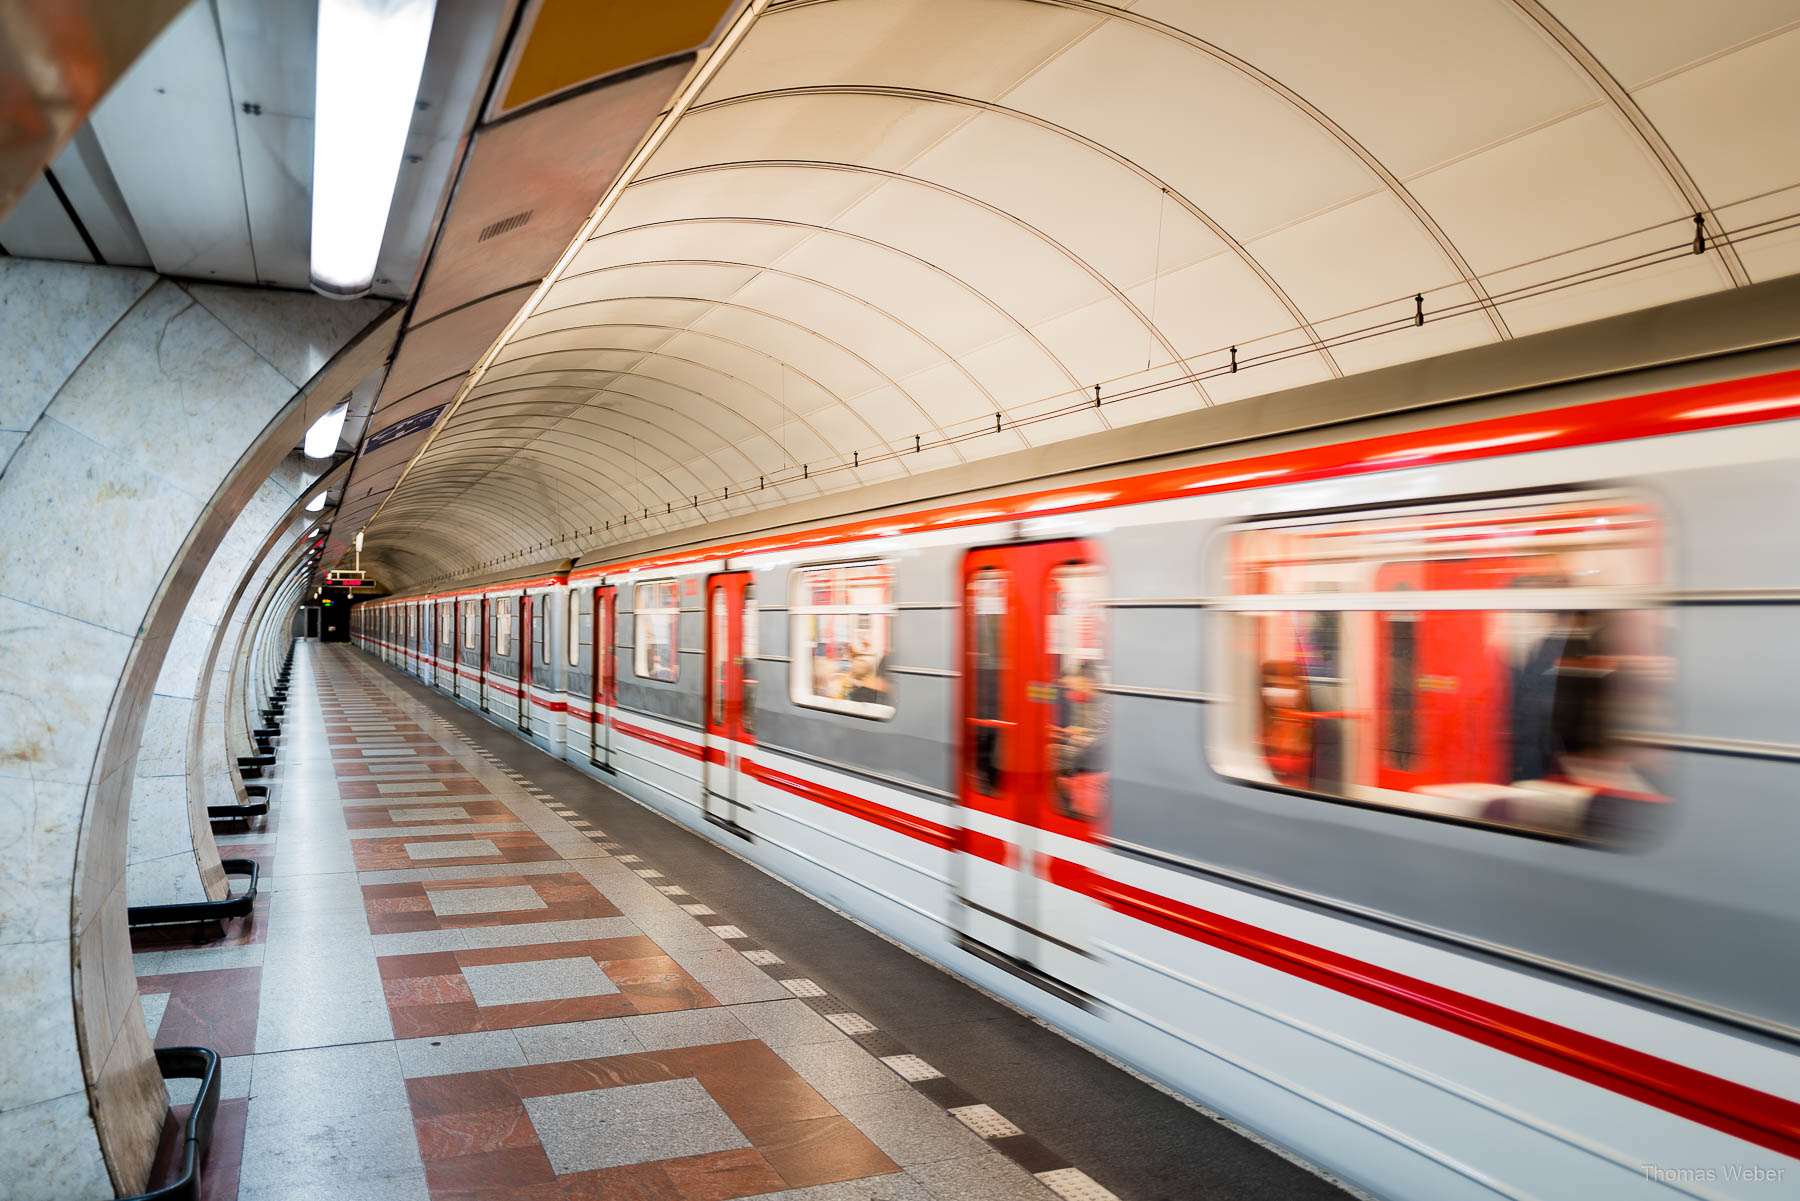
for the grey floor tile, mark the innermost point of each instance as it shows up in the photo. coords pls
(429, 813)
(578, 1040)
(538, 980)
(210, 959)
(505, 898)
(686, 1028)
(473, 848)
(986, 1177)
(446, 828)
(840, 1070)
(236, 1072)
(448, 1054)
(347, 1081)
(910, 1129)
(635, 1123)
(321, 999)
(155, 1004)
(530, 933)
(786, 1023)
(374, 1158)
(414, 942)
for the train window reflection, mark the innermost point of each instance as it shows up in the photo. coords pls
(987, 604)
(748, 659)
(658, 614)
(1481, 663)
(1079, 727)
(842, 628)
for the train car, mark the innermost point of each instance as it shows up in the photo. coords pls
(1417, 791)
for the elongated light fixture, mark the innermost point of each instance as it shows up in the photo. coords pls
(322, 438)
(371, 54)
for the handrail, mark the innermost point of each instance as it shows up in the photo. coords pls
(202, 911)
(190, 1063)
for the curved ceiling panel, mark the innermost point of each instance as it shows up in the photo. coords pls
(877, 237)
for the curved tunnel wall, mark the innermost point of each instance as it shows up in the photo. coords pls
(172, 858)
(142, 417)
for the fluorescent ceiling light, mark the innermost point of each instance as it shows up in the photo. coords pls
(322, 438)
(371, 53)
(317, 502)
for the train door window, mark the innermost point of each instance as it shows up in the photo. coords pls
(1494, 662)
(987, 602)
(1077, 653)
(574, 627)
(720, 637)
(842, 629)
(502, 628)
(658, 612)
(540, 629)
(469, 622)
(748, 670)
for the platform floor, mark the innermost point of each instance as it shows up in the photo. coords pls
(477, 973)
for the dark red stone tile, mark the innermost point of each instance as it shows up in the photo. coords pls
(214, 1009)
(491, 1169)
(633, 1182)
(422, 1021)
(548, 1013)
(818, 1151)
(446, 1136)
(584, 1075)
(407, 991)
(723, 1175)
(425, 963)
(465, 1092)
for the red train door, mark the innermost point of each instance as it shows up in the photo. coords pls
(527, 645)
(1033, 768)
(730, 683)
(605, 674)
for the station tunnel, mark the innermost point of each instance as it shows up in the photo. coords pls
(899, 600)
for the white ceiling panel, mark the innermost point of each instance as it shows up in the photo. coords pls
(1416, 82)
(1645, 39)
(1735, 120)
(970, 47)
(841, 127)
(1228, 143)
(883, 219)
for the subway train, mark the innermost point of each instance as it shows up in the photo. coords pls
(1420, 791)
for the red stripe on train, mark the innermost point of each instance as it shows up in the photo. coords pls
(1736, 1109)
(899, 821)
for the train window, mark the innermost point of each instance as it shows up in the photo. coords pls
(502, 629)
(1488, 662)
(446, 625)
(747, 704)
(658, 611)
(987, 597)
(469, 624)
(540, 645)
(1079, 725)
(842, 625)
(574, 627)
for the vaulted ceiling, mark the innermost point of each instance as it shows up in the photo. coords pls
(871, 238)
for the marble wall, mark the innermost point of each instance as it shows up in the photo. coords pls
(138, 418)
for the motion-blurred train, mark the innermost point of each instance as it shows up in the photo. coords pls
(1422, 791)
